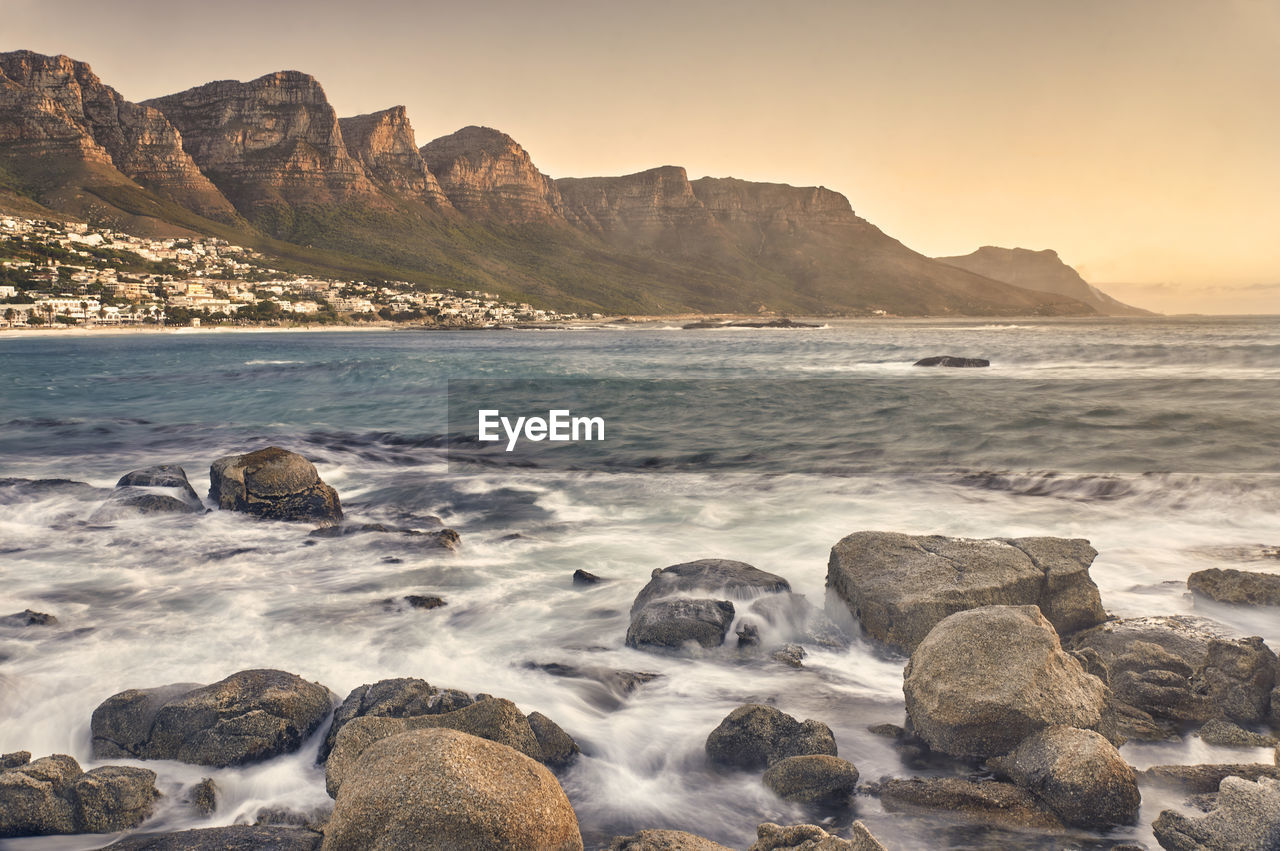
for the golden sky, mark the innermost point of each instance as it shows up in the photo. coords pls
(1138, 138)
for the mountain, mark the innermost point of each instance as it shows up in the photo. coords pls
(1041, 271)
(268, 163)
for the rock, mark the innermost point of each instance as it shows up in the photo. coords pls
(1239, 677)
(748, 635)
(900, 586)
(1203, 779)
(987, 801)
(248, 717)
(604, 688)
(813, 779)
(949, 360)
(495, 719)
(52, 795)
(1182, 636)
(558, 747)
(14, 760)
(439, 539)
(985, 679)
(810, 837)
(395, 698)
(436, 788)
(163, 476)
(791, 655)
(1152, 679)
(673, 623)
(238, 837)
(1247, 817)
(1227, 734)
(131, 502)
(1238, 587)
(274, 484)
(384, 144)
(1076, 773)
(28, 618)
(664, 840)
(582, 577)
(204, 797)
(754, 737)
(721, 578)
(488, 176)
(417, 601)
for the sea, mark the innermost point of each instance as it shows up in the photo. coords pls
(1157, 439)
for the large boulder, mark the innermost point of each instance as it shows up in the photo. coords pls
(813, 779)
(247, 717)
(494, 719)
(273, 483)
(237, 837)
(1238, 677)
(1247, 817)
(1078, 774)
(443, 789)
(755, 737)
(54, 796)
(810, 837)
(673, 623)
(985, 679)
(967, 799)
(709, 577)
(665, 840)
(1238, 587)
(395, 698)
(1183, 636)
(900, 586)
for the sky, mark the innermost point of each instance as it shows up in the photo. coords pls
(1138, 138)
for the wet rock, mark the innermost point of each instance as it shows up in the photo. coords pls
(791, 655)
(582, 577)
(813, 779)
(664, 840)
(987, 801)
(672, 623)
(559, 749)
(985, 679)
(275, 484)
(28, 618)
(248, 717)
(495, 719)
(604, 688)
(442, 789)
(1238, 587)
(163, 476)
(1150, 678)
(888, 731)
(1076, 773)
(446, 539)
(1227, 734)
(1203, 779)
(733, 580)
(1247, 817)
(1239, 677)
(952, 361)
(900, 586)
(14, 760)
(239, 837)
(748, 635)
(810, 837)
(52, 795)
(418, 601)
(394, 698)
(15, 490)
(132, 502)
(755, 737)
(204, 796)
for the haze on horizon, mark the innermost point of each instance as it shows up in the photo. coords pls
(1135, 137)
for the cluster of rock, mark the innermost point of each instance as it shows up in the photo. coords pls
(53, 795)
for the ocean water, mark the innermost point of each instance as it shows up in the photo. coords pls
(1156, 439)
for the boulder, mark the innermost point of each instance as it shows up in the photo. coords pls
(443, 789)
(169, 476)
(813, 779)
(673, 623)
(1204, 779)
(53, 795)
(1247, 817)
(238, 837)
(14, 760)
(1238, 587)
(1076, 773)
(1182, 636)
(952, 361)
(900, 586)
(583, 577)
(163, 489)
(753, 737)
(1225, 733)
(810, 837)
(558, 747)
(395, 698)
(248, 717)
(664, 840)
(721, 578)
(1238, 677)
(275, 484)
(203, 797)
(1150, 678)
(495, 719)
(987, 801)
(985, 679)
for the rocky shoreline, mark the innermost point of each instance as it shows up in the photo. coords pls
(1019, 689)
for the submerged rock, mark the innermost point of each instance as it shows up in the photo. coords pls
(1206, 778)
(950, 360)
(1238, 587)
(900, 586)
(163, 476)
(810, 837)
(163, 489)
(248, 717)
(204, 796)
(755, 736)
(443, 789)
(419, 601)
(1247, 817)
(987, 801)
(723, 578)
(53, 795)
(28, 617)
(444, 539)
(813, 779)
(237, 837)
(665, 840)
(1076, 773)
(582, 577)
(275, 484)
(672, 623)
(985, 679)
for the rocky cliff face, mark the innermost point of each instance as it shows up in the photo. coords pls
(732, 200)
(488, 176)
(56, 112)
(273, 140)
(642, 204)
(1040, 271)
(383, 143)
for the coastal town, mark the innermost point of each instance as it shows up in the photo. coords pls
(63, 274)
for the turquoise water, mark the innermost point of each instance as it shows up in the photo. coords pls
(1159, 440)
